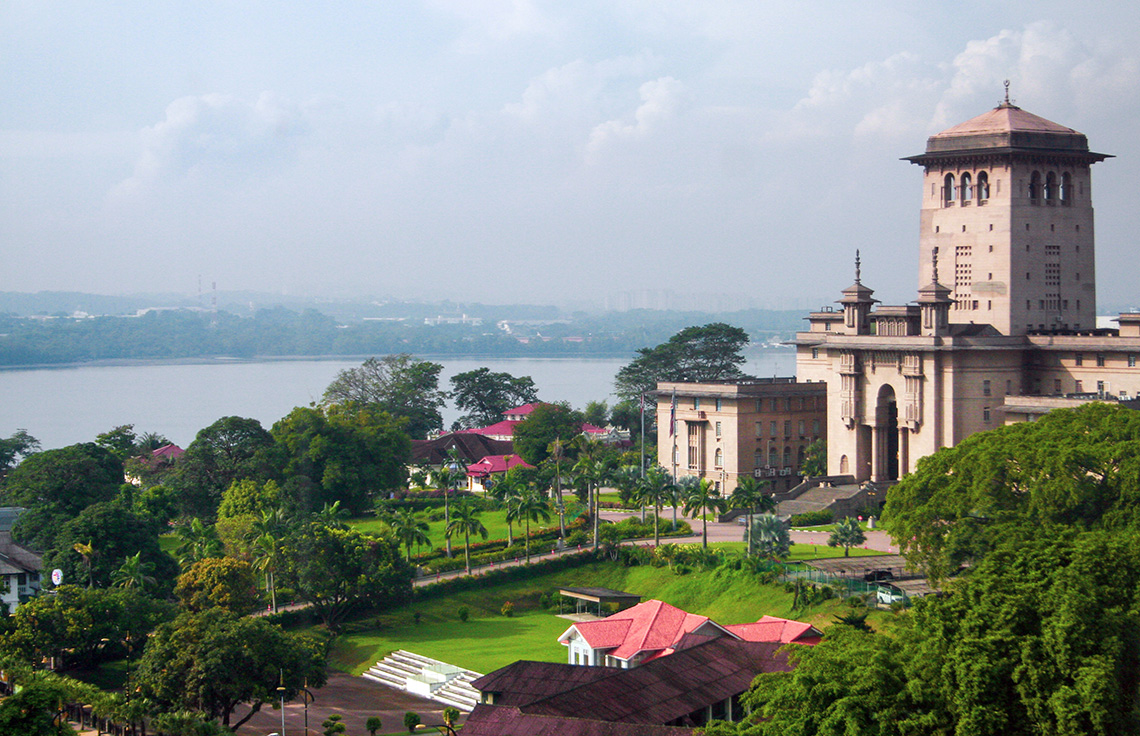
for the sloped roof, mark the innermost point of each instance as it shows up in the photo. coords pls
(523, 410)
(497, 464)
(469, 446)
(1005, 118)
(505, 428)
(493, 720)
(773, 629)
(649, 626)
(524, 681)
(167, 452)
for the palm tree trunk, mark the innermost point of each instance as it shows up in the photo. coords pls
(510, 528)
(528, 540)
(447, 521)
(704, 526)
(561, 507)
(467, 550)
(656, 522)
(751, 513)
(596, 509)
(272, 593)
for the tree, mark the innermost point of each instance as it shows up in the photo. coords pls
(447, 479)
(196, 542)
(409, 529)
(485, 395)
(401, 384)
(555, 453)
(770, 536)
(847, 534)
(249, 497)
(34, 709)
(232, 448)
(594, 473)
(134, 573)
(221, 582)
(656, 487)
(702, 495)
(815, 459)
(333, 726)
(349, 454)
(596, 413)
(213, 660)
(1072, 467)
(266, 554)
(751, 494)
(337, 571)
(465, 520)
(98, 541)
(19, 445)
(120, 441)
(531, 506)
(709, 353)
(411, 720)
(548, 422)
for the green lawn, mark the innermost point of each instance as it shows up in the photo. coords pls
(495, 521)
(802, 552)
(489, 640)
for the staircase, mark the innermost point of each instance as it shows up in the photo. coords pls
(429, 678)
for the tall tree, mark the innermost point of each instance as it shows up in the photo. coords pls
(710, 353)
(221, 582)
(19, 445)
(548, 422)
(751, 494)
(704, 497)
(466, 521)
(770, 536)
(400, 384)
(655, 488)
(485, 394)
(409, 529)
(531, 506)
(448, 478)
(232, 448)
(213, 661)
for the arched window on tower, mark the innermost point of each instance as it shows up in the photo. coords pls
(1035, 187)
(718, 459)
(843, 470)
(1050, 187)
(1066, 188)
(949, 191)
(983, 187)
(966, 189)
(788, 456)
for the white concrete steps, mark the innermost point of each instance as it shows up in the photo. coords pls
(453, 685)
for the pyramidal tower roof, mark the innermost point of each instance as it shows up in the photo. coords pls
(1007, 129)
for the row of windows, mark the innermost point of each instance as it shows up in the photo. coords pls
(1079, 359)
(788, 403)
(963, 190)
(774, 426)
(1050, 189)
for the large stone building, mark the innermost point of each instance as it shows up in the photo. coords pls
(759, 427)
(1004, 322)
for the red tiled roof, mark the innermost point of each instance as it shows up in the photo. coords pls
(772, 629)
(505, 428)
(496, 464)
(493, 720)
(524, 409)
(647, 627)
(167, 452)
(469, 446)
(591, 429)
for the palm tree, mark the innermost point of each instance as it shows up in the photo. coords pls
(332, 515)
(594, 473)
(466, 520)
(654, 489)
(531, 506)
(196, 542)
(447, 477)
(771, 536)
(556, 450)
(265, 559)
(133, 573)
(506, 492)
(702, 495)
(749, 494)
(409, 529)
(625, 479)
(847, 534)
(86, 551)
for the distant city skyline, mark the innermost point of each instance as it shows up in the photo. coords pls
(724, 153)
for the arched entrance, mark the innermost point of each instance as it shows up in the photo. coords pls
(886, 435)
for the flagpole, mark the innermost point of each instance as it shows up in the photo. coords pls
(673, 431)
(643, 430)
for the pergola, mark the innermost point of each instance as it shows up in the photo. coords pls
(585, 598)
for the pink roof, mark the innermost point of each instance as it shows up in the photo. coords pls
(172, 452)
(523, 410)
(504, 428)
(651, 626)
(591, 429)
(772, 629)
(496, 464)
(1004, 119)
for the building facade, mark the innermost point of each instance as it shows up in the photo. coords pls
(1006, 309)
(759, 427)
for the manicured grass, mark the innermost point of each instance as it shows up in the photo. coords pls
(495, 521)
(806, 551)
(489, 640)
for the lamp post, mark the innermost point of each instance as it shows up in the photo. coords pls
(281, 692)
(438, 727)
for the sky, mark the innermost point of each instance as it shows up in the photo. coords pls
(523, 151)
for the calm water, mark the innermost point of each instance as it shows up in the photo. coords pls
(62, 406)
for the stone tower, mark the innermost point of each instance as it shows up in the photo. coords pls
(1007, 203)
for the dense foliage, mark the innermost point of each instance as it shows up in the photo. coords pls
(485, 394)
(400, 384)
(709, 353)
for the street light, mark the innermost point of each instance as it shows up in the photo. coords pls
(438, 727)
(281, 692)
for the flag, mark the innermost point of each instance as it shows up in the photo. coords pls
(673, 415)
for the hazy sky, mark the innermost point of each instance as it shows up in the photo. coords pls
(526, 150)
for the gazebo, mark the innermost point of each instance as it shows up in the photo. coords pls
(587, 598)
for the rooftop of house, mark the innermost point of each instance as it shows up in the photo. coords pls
(496, 464)
(469, 446)
(649, 627)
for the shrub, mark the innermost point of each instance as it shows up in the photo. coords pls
(508, 609)
(463, 613)
(416, 616)
(856, 601)
(544, 601)
(812, 518)
(681, 569)
(576, 538)
(411, 720)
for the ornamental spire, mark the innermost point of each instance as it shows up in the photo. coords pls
(935, 257)
(858, 271)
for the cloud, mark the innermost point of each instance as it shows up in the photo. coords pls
(214, 136)
(660, 99)
(495, 22)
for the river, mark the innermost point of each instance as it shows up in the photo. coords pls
(62, 406)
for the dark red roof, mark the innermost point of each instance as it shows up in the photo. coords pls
(469, 446)
(496, 464)
(650, 626)
(664, 690)
(771, 628)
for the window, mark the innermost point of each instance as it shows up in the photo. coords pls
(815, 427)
(814, 353)
(1057, 386)
(949, 191)
(1050, 190)
(758, 459)
(773, 457)
(1080, 359)
(986, 387)
(775, 407)
(718, 458)
(983, 188)
(759, 429)
(772, 428)
(1079, 387)
(787, 456)
(1067, 189)
(966, 190)
(1100, 360)
(718, 429)
(802, 427)
(1100, 388)
(787, 403)
(759, 407)
(720, 404)
(986, 415)
(696, 403)
(1008, 388)
(1131, 360)
(1035, 187)
(787, 427)
(843, 465)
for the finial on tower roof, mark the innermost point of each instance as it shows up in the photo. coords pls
(1007, 102)
(935, 258)
(857, 269)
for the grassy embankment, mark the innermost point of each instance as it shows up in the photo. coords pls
(489, 640)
